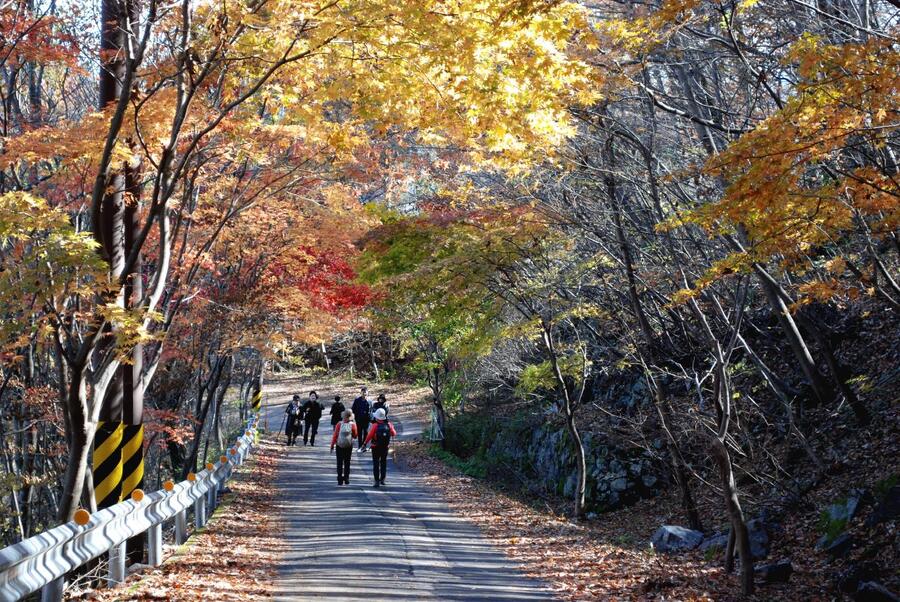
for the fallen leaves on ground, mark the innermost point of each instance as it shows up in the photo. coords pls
(233, 557)
(603, 559)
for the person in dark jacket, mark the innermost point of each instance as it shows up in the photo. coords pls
(361, 409)
(294, 414)
(336, 409)
(312, 415)
(380, 436)
(381, 404)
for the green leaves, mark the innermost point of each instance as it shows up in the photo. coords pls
(45, 260)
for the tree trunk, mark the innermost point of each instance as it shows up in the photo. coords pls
(676, 459)
(373, 357)
(327, 360)
(80, 437)
(581, 474)
(578, 509)
(735, 515)
(823, 392)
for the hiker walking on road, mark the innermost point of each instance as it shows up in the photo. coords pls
(343, 437)
(337, 410)
(361, 409)
(380, 435)
(313, 413)
(380, 404)
(293, 414)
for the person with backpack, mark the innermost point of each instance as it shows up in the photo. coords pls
(293, 417)
(343, 438)
(361, 410)
(381, 403)
(313, 413)
(337, 410)
(380, 435)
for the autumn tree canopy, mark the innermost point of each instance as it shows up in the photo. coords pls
(504, 199)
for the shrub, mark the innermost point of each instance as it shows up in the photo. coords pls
(467, 435)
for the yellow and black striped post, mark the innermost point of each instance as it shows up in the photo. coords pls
(256, 403)
(108, 463)
(132, 459)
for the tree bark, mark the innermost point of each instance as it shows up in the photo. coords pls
(579, 511)
(80, 437)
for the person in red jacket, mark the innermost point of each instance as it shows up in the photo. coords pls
(380, 435)
(343, 437)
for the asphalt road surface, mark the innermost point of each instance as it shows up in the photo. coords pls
(397, 542)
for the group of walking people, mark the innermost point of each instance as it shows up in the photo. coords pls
(365, 424)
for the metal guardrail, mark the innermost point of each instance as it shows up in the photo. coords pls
(42, 561)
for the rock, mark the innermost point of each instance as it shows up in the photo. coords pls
(840, 546)
(620, 484)
(887, 509)
(848, 581)
(778, 572)
(846, 510)
(757, 529)
(649, 481)
(718, 542)
(612, 499)
(592, 515)
(872, 591)
(771, 520)
(671, 538)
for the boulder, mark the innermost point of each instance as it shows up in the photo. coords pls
(778, 572)
(717, 542)
(843, 511)
(671, 538)
(840, 546)
(757, 530)
(872, 591)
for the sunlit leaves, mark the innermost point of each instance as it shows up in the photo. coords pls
(807, 176)
(42, 254)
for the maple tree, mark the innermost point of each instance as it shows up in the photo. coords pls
(210, 114)
(736, 169)
(537, 200)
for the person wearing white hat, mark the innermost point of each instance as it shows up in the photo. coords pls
(380, 435)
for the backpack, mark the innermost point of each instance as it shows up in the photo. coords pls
(345, 435)
(382, 435)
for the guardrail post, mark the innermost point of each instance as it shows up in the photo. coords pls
(180, 528)
(211, 502)
(154, 545)
(117, 555)
(53, 591)
(200, 512)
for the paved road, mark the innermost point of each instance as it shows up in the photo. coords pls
(398, 542)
